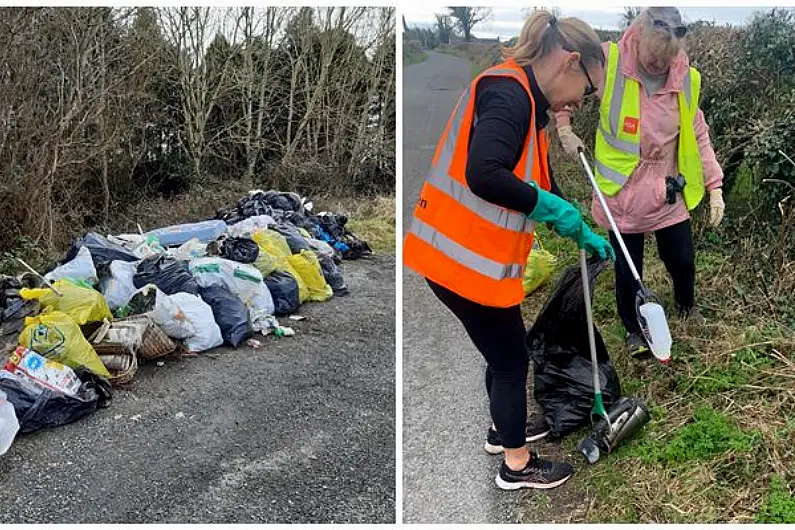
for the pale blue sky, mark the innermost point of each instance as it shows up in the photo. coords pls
(507, 21)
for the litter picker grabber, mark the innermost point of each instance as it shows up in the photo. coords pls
(598, 403)
(648, 308)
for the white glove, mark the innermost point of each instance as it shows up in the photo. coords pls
(570, 141)
(716, 206)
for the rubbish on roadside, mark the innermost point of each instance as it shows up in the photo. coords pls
(283, 331)
(247, 226)
(266, 263)
(231, 314)
(559, 348)
(539, 268)
(284, 290)
(321, 248)
(243, 280)
(136, 335)
(295, 240)
(187, 317)
(102, 251)
(80, 268)
(297, 318)
(191, 250)
(41, 371)
(332, 275)
(37, 408)
(179, 415)
(9, 424)
(44, 281)
(272, 242)
(627, 416)
(253, 343)
(161, 364)
(174, 236)
(82, 303)
(118, 287)
(240, 249)
(55, 335)
(13, 312)
(307, 266)
(149, 246)
(169, 275)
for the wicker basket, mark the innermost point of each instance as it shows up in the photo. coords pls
(122, 367)
(136, 335)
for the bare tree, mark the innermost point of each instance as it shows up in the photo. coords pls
(468, 17)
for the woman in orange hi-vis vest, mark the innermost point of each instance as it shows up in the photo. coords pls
(472, 228)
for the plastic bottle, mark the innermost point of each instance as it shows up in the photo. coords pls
(658, 334)
(9, 425)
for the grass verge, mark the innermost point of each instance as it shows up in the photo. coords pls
(721, 445)
(413, 58)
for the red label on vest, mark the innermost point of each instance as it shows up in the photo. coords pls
(631, 125)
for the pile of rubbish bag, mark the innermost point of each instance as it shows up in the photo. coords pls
(114, 302)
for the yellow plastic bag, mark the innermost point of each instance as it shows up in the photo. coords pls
(286, 265)
(81, 303)
(539, 269)
(55, 335)
(265, 262)
(308, 267)
(272, 242)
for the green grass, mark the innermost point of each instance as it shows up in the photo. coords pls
(779, 506)
(413, 58)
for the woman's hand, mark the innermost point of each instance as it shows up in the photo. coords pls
(716, 206)
(595, 244)
(571, 142)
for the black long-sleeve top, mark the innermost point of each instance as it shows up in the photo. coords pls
(496, 143)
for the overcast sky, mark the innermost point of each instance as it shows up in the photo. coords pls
(506, 22)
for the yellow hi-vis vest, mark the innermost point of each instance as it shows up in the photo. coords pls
(617, 150)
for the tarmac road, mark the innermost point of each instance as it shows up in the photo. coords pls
(447, 476)
(300, 430)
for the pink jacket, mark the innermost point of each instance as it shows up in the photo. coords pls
(640, 206)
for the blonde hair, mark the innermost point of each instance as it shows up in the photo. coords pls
(658, 42)
(543, 32)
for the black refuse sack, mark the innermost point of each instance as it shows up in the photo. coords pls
(230, 313)
(295, 240)
(169, 275)
(558, 346)
(102, 251)
(50, 408)
(332, 274)
(284, 291)
(240, 249)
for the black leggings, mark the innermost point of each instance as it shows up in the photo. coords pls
(499, 335)
(675, 247)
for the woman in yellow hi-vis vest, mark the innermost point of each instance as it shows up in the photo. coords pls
(653, 157)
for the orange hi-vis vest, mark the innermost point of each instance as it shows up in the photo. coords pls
(473, 247)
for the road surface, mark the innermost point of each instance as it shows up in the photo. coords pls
(300, 430)
(447, 476)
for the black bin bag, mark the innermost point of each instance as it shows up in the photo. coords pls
(284, 291)
(558, 346)
(230, 313)
(38, 408)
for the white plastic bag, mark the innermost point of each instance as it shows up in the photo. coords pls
(170, 317)
(243, 280)
(119, 288)
(193, 249)
(246, 226)
(9, 425)
(207, 333)
(80, 268)
(321, 247)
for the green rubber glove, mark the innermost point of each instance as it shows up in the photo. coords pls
(595, 244)
(564, 218)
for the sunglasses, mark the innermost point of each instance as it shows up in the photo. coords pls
(590, 89)
(678, 31)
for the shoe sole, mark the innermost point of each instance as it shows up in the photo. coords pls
(510, 486)
(498, 449)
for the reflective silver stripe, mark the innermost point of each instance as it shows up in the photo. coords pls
(463, 255)
(617, 143)
(617, 97)
(531, 158)
(492, 213)
(610, 174)
(686, 89)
